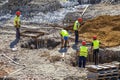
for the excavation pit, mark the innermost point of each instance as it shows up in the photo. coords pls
(38, 39)
(42, 43)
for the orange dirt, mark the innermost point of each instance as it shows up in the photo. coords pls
(106, 28)
(2, 73)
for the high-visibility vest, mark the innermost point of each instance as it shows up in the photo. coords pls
(17, 19)
(96, 44)
(84, 51)
(64, 33)
(76, 25)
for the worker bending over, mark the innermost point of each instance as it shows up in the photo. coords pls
(95, 49)
(64, 38)
(83, 53)
(76, 26)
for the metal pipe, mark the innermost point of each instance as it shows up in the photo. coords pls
(12, 60)
(84, 10)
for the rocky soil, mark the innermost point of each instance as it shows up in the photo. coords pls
(39, 63)
(30, 6)
(43, 63)
(106, 23)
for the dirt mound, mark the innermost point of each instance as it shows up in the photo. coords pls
(106, 27)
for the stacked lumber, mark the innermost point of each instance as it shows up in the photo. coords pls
(109, 71)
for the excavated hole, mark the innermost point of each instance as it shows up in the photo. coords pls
(42, 43)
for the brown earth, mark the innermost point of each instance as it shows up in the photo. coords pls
(106, 28)
(2, 73)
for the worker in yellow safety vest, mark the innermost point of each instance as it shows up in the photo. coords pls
(76, 26)
(64, 38)
(95, 49)
(17, 24)
(83, 53)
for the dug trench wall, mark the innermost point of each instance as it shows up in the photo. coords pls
(107, 29)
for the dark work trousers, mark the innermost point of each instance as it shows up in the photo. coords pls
(17, 33)
(82, 61)
(76, 36)
(13, 43)
(96, 56)
(79, 1)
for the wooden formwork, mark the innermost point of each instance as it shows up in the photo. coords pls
(95, 75)
(94, 68)
(32, 34)
(117, 64)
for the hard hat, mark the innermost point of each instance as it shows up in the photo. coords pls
(79, 19)
(83, 43)
(94, 37)
(18, 13)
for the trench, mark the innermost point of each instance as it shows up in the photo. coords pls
(106, 56)
(42, 43)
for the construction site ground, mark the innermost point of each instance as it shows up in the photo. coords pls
(45, 64)
(40, 64)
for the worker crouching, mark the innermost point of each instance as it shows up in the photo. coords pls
(64, 38)
(83, 53)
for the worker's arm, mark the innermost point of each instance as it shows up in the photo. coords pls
(102, 45)
(91, 48)
(82, 23)
(16, 23)
(78, 25)
(77, 53)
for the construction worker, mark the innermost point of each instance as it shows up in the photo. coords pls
(64, 38)
(17, 24)
(75, 28)
(83, 53)
(95, 49)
